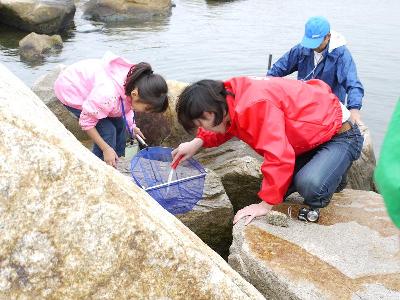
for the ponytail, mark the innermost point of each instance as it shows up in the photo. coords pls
(152, 88)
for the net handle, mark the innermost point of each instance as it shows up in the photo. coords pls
(175, 181)
(176, 163)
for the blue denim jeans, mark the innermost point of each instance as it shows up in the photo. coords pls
(112, 130)
(319, 172)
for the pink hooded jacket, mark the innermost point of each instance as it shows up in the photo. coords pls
(96, 86)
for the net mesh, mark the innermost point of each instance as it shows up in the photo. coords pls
(150, 169)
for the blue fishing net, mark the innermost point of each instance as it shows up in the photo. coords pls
(150, 169)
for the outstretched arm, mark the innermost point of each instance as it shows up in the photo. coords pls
(287, 64)
(279, 157)
(186, 150)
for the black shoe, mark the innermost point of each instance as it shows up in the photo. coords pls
(309, 214)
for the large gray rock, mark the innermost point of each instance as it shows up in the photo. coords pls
(41, 16)
(74, 228)
(35, 46)
(44, 88)
(353, 253)
(239, 168)
(164, 129)
(117, 10)
(211, 218)
(361, 173)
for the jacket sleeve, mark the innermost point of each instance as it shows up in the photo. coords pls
(387, 172)
(266, 124)
(212, 139)
(347, 77)
(287, 64)
(97, 105)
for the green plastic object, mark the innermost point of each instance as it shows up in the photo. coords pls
(387, 172)
(131, 150)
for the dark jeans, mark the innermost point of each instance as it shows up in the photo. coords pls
(319, 172)
(112, 130)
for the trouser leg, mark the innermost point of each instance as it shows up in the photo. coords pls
(120, 142)
(301, 161)
(343, 181)
(319, 177)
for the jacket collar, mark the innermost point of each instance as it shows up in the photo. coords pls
(337, 40)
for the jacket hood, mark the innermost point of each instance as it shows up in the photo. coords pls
(337, 40)
(117, 68)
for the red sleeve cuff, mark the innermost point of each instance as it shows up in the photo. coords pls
(270, 195)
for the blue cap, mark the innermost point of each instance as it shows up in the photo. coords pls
(315, 31)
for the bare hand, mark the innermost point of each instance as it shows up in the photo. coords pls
(110, 156)
(186, 150)
(355, 116)
(252, 211)
(137, 131)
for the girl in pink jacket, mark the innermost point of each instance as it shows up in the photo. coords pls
(104, 93)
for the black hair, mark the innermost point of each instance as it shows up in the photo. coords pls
(199, 97)
(152, 88)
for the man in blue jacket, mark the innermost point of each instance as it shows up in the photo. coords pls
(322, 54)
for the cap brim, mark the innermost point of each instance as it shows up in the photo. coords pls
(311, 43)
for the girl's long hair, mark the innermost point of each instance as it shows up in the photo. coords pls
(152, 88)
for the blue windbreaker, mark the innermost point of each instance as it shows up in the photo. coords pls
(337, 69)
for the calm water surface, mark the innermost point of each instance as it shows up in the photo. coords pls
(206, 39)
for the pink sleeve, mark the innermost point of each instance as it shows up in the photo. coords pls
(97, 106)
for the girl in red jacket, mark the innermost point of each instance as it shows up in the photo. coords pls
(304, 133)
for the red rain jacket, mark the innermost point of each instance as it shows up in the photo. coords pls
(279, 118)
